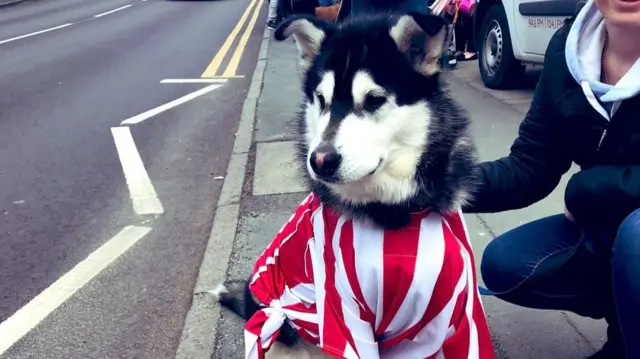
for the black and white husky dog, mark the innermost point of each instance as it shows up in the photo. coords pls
(378, 135)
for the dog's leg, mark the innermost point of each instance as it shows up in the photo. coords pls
(236, 296)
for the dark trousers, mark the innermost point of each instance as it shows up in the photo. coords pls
(366, 7)
(464, 34)
(288, 8)
(304, 7)
(547, 264)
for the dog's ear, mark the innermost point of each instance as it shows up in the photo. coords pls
(423, 39)
(308, 32)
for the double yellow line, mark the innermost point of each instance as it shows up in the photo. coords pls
(234, 62)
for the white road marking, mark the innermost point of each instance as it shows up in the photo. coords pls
(35, 33)
(27, 317)
(144, 197)
(193, 81)
(111, 11)
(145, 115)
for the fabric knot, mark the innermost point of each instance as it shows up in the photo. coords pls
(266, 323)
(276, 317)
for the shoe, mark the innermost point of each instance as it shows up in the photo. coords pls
(272, 24)
(471, 56)
(448, 61)
(466, 56)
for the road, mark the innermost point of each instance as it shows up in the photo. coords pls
(103, 223)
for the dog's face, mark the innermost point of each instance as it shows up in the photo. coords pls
(366, 108)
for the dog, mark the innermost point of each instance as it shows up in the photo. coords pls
(376, 262)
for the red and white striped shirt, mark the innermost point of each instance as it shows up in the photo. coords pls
(359, 291)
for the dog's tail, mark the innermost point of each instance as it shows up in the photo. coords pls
(236, 296)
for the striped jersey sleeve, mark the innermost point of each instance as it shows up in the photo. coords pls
(283, 282)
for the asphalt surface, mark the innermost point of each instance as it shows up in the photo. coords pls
(62, 189)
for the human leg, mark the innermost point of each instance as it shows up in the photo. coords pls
(465, 47)
(272, 18)
(545, 264)
(543, 254)
(626, 282)
(284, 9)
(460, 35)
(273, 11)
(469, 35)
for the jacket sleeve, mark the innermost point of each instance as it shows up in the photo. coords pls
(603, 196)
(538, 157)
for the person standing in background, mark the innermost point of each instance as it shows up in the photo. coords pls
(281, 9)
(465, 46)
(272, 17)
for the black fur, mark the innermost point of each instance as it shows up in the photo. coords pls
(239, 300)
(446, 167)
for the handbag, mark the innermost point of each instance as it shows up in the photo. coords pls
(468, 7)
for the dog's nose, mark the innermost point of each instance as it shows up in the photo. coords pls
(325, 163)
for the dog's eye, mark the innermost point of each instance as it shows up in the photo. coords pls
(321, 101)
(373, 102)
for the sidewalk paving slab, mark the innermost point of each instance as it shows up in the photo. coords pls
(280, 97)
(519, 333)
(276, 169)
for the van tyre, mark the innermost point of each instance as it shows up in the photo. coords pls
(499, 68)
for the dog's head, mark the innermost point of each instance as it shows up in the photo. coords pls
(375, 116)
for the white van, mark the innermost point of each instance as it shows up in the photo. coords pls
(513, 33)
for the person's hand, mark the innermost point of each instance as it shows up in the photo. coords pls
(568, 214)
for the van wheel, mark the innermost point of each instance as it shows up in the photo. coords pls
(499, 69)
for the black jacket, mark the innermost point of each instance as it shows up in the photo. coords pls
(561, 127)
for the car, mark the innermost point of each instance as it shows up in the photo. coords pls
(513, 33)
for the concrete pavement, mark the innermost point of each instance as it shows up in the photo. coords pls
(88, 268)
(271, 192)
